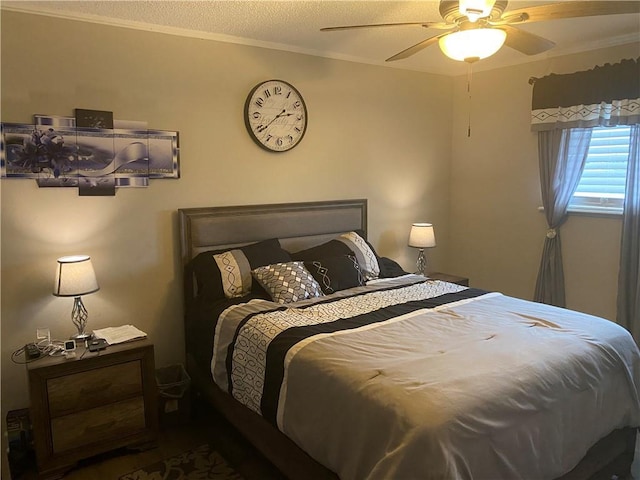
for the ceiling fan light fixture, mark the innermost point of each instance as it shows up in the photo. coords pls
(473, 44)
(476, 9)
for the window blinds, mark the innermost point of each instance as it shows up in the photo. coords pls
(602, 184)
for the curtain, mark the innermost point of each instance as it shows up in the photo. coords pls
(604, 96)
(628, 314)
(564, 108)
(562, 155)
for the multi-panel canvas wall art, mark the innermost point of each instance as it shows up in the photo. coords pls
(88, 151)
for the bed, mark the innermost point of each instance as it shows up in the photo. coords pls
(489, 405)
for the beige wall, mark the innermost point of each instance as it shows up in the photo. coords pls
(497, 232)
(397, 138)
(374, 133)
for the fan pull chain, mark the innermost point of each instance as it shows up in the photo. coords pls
(469, 78)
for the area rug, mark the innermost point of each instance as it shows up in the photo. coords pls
(199, 463)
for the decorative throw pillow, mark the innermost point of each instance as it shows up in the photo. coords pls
(336, 273)
(365, 255)
(347, 243)
(287, 282)
(209, 274)
(235, 273)
(332, 248)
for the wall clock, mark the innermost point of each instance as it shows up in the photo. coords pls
(275, 115)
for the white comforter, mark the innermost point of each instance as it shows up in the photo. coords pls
(490, 387)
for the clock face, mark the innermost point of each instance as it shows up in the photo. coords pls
(275, 115)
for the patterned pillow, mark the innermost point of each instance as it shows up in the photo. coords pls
(287, 282)
(336, 273)
(347, 243)
(235, 273)
(209, 270)
(364, 254)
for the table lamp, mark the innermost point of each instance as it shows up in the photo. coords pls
(422, 236)
(75, 277)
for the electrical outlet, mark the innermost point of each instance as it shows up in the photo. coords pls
(43, 333)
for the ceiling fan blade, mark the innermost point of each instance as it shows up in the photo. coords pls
(438, 25)
(555, 11)
(415, 49)
(526, 42)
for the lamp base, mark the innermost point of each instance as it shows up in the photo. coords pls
(81, 336)
(421, 263)
(79, 317)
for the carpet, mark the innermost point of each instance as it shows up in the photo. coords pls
(200, 463)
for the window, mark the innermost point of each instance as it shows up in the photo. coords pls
(602, 185)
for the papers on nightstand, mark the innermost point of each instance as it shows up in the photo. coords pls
(125, 333)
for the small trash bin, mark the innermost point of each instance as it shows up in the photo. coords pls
(173, 395)
(20, 451)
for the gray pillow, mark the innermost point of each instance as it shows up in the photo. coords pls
(287, 282)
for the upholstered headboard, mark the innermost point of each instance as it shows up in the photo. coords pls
(297, 225)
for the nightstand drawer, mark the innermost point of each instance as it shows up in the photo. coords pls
(98, 424)
(92, 388)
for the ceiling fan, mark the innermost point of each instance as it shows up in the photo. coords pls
(477, 29)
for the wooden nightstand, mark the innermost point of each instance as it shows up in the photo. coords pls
(445, 277)
(94, 403)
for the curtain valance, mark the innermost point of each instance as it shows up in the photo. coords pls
(603, 96)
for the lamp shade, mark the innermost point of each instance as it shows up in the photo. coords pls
(75, 277)
(472, 44)
(422, 235)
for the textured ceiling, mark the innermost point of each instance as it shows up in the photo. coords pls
(295, 26)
